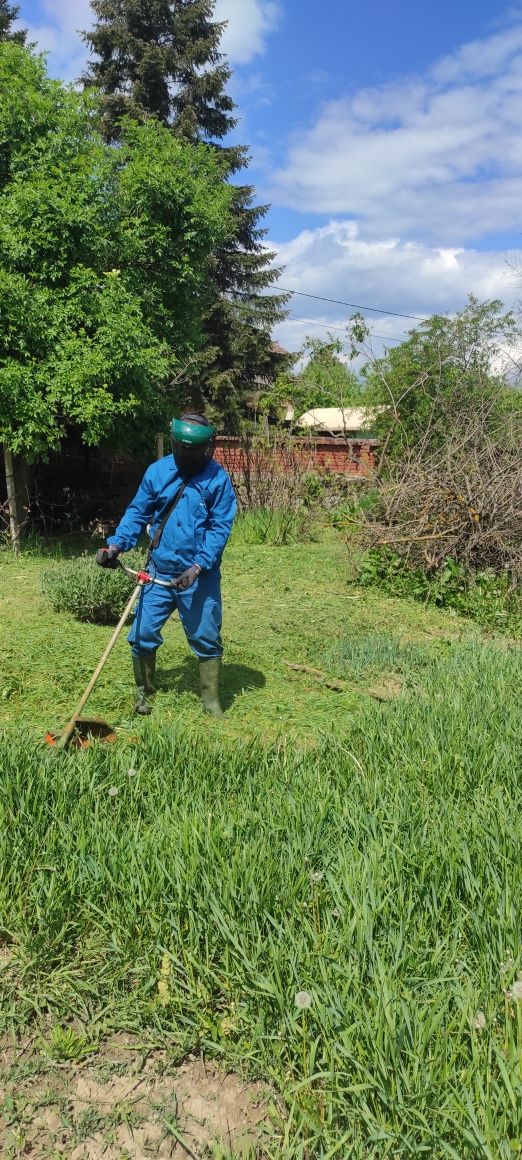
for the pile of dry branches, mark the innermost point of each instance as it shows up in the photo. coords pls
(461, 501)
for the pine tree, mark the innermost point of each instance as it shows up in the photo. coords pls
(8, 14)
(151, 54)
(161, 58)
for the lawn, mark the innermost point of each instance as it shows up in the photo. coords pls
(282, 606)
(322, 893)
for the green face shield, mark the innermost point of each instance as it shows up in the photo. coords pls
(192, 445)
(187, 433)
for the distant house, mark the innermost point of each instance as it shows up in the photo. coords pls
(348, 422)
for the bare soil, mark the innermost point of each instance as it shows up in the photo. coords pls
(127, 1102)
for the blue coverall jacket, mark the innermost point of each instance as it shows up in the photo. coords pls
(195, 533)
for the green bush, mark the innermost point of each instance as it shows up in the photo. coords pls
(346, 514)
(90, 593)
(484, 596)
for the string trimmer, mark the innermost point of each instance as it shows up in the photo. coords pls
(81, 730)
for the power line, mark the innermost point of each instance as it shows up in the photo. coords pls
(353, 305)
(329, 326)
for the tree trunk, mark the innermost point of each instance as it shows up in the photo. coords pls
(160, 446)
(14, 521)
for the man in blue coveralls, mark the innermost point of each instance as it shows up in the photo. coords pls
(188, 501)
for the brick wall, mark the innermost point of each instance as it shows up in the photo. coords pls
(355, 457)
(81, 486)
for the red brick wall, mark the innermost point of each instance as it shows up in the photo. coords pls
(344, 457)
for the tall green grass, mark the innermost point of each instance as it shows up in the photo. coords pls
(197, 886)
(276, 527)
(367, 654)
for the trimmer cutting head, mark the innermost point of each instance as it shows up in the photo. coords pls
(87, 731)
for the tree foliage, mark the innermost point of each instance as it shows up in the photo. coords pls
(324, 381)
(103, 262)
(8, 15)
(158, 58)
(326, 378)
(447, 370)
(161, 58)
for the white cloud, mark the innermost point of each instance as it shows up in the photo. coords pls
(437, 157)
(250, 22)
(58, 33)
(337, 261)
(480, 58)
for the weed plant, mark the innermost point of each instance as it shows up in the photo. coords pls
(484, 596)
(275, 527)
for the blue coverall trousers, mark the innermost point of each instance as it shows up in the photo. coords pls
(199, 611)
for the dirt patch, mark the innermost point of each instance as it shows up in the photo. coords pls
(6, 956)
(126, 1103)
(387, 689)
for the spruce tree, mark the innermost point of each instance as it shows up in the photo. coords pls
(8, 14)
(161, 58)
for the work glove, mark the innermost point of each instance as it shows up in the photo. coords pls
(187, 579)
(108, 557)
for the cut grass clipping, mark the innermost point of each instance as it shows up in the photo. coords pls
(343, 921)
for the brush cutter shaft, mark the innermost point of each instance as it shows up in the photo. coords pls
(144, 577)
(69, 729)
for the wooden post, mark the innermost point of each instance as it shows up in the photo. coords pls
(14, 522)
(160, 446)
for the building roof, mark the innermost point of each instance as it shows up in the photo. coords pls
(338, 420)
(278, 349)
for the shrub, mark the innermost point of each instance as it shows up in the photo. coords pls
(330, 490)
(270, 471)
(489, 599)
(87, 591)
(358, 505)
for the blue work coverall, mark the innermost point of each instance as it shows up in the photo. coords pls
(195, 533)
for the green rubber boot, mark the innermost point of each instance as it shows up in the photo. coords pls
(144, 668)
(209, 673)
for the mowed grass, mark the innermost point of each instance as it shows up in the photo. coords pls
(192, 881)
(281, 606)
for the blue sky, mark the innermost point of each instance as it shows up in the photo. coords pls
(386, 136)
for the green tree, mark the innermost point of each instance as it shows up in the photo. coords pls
(103, 263)
(158, 58)
(8, 15)
(324, 381)
(445, 372)
(161, 58)
(325, 378)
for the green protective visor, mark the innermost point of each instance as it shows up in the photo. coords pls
(191, 434)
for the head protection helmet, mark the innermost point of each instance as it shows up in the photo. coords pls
(193, 440)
